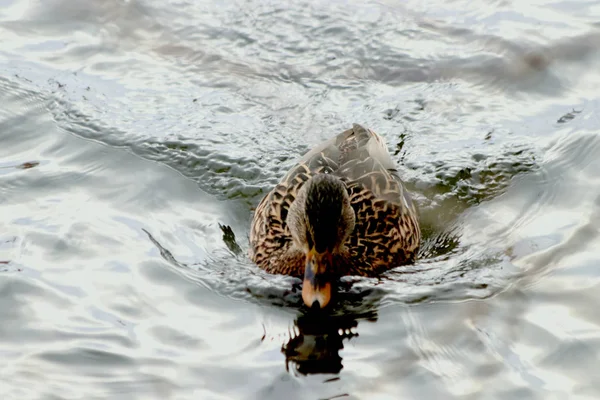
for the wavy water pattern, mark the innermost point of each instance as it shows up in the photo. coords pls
(136, 138)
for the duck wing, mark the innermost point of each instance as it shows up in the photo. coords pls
(387, 231)
(364, 161)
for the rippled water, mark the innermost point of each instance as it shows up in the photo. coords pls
(137, 136)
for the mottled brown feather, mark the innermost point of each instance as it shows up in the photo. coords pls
(386, 233)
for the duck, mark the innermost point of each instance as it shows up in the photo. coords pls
(341, 210)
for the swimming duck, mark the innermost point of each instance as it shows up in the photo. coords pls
(341, 210)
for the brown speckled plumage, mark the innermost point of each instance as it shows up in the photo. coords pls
(386, 233)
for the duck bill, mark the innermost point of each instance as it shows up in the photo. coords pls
(316, 289)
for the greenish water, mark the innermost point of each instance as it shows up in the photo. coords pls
(137, 136)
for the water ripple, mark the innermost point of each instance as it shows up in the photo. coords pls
(136, 138)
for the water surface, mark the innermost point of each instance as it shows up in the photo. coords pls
(137, 136)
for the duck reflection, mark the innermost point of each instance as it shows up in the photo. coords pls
(317, 337)
(314, 346)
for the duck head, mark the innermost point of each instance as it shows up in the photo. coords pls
(320, 220)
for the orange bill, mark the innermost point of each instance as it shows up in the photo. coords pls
(316, 289)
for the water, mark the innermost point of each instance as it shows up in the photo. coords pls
(137, 136)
